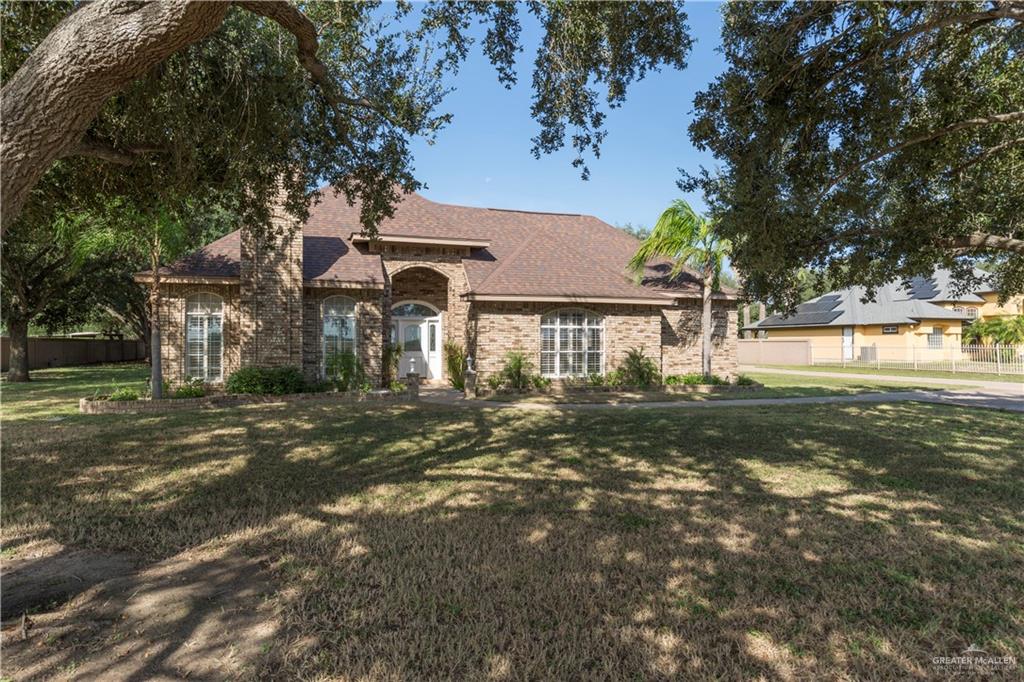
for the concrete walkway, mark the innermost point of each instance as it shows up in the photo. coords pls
(1008, 387)
(965, 398)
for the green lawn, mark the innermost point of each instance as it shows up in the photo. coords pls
(935, 374)
(428, 542)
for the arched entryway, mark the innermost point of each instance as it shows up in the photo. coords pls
(416, 325)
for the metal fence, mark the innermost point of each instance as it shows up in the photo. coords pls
(62, 352)
(996, 359)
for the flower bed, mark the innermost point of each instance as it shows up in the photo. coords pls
(105, 406)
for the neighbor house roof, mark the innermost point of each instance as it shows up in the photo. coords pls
(894, 303)
(513, 254)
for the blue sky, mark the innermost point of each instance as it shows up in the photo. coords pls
(483, 157)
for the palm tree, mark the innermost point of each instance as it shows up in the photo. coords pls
(688, 239)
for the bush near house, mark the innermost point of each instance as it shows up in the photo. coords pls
(695, 379)
(455, 362)
(266, 381)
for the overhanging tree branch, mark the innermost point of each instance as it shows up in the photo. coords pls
(991, 119)
(987, 242)
(103, 150)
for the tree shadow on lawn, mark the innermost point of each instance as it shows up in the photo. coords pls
(853, 541)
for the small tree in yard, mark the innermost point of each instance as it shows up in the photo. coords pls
(159, 235)
(688, 240)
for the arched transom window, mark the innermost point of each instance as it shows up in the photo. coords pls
(571, 343)
(339, 313)
(204, 337)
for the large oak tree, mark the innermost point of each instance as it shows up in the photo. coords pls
(304, 92)
(869, 141)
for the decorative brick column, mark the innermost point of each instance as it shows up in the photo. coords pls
(270, 295)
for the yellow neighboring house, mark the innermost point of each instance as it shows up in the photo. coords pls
(921, 322)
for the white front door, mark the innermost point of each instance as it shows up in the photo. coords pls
(847, 343)
(410, 335)
(421, 347)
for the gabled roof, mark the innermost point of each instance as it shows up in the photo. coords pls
(527, 254)
(894, 303)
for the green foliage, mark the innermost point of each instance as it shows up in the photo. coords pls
(455, 362)
(868, 141)
(495, 382)
(696, 379)
(517, 371)
(396, 386)
(1002, 330)
(192, 389)
(266, 381)
(232, 115)
(638, 370)
(392, 358)
(744, 380)
(540, 383)
(345, 372)
(687, 239)
(124, 393)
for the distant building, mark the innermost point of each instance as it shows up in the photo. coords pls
(926, 317)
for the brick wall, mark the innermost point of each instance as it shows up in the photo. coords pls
(681, 338)
(433, 275)
(369, 330)
(499, 328)
(270, 296)
(172, 322)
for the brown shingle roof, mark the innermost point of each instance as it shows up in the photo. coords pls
(529, 253)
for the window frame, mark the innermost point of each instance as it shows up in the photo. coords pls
(890, 329)
(937, 333)
(205, 316)
(591, 322)
(353, 317)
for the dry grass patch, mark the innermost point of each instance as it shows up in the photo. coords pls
(803, 542)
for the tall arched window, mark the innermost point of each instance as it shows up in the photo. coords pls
(339, 316)
(571, 343)
(204, 337)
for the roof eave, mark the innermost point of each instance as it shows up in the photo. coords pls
(556, 298)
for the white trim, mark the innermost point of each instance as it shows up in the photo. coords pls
(662, 302)
(437, 312)
(357, 238)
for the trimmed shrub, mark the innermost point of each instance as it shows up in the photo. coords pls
(639, 370)
(193, 389)
(266, 381)
(695, 379)
(744, 380)
(540, 383)
(455, 362)
(124, 393)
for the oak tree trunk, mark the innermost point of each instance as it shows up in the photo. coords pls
(17, 328)
(92, 54)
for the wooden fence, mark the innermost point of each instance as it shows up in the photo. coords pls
(63, 352)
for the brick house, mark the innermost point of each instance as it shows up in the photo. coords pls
(552, 285)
